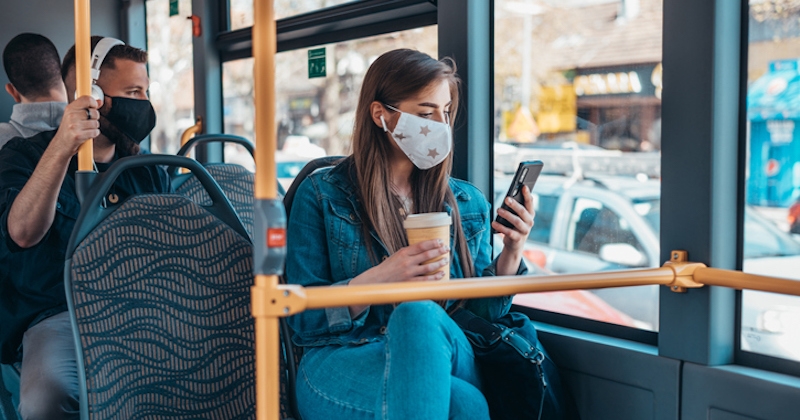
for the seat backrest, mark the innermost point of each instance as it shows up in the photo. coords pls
(236, 182)
(293, 353)
(158, 289)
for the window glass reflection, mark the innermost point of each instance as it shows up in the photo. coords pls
(578, 86)
(171, 73)
(241, 11)
(314, 116)
(772, 181)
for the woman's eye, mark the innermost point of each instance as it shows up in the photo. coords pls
(428, 115)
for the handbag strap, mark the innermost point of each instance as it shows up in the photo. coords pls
(468, 321)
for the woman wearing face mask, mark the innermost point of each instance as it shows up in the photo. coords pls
(409, 361)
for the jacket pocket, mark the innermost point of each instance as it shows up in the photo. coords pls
(474, 225)
(346, 242)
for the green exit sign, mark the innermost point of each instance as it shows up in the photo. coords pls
(173, 8)
(316, 63)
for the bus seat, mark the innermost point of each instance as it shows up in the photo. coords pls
(158, 290)
(10, 392)
(235, 180)
(291, 352)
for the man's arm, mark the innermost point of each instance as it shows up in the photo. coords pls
(33, 211)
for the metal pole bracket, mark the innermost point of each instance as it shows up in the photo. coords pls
(281, 301)
(684, 272)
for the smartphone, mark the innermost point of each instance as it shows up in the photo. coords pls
(527, 174)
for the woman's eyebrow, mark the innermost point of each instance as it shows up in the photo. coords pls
(432, 105)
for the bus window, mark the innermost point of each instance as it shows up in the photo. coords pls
(169, 46)
(241, 11)
(592, 112)
(314, 115)
(772, 185)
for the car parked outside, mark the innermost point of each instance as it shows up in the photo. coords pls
(613, 223)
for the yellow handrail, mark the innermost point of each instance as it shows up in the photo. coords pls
(290, 299)
(83, 78)
(187, 135)
(740, 281)
(192, 131)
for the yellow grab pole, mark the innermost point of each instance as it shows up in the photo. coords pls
(83, 78)
(192, 131)
(291, 298)
(738, 280)
(267, 330)
(377, 294)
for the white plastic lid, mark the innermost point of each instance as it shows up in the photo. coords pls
(427, 220)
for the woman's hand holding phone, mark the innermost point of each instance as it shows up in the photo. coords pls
(515, 217)
(520, 217)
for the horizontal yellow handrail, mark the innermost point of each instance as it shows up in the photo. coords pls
(738, 280)
(291, 299)
(321, 297)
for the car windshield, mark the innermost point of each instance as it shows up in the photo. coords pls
(763, 238)
(650, 210)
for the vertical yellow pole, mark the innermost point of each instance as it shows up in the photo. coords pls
(267, 330)
(83, 30)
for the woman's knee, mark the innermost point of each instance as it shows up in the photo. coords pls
(423, 315)
(467, 402)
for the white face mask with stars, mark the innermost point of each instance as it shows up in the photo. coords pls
(425, 142)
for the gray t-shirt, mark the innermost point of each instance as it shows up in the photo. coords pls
(30, 119)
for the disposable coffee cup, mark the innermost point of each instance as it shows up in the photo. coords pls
(425, 226)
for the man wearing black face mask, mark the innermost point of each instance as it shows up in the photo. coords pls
(38, 209)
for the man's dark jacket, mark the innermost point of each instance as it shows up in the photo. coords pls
(32, 279)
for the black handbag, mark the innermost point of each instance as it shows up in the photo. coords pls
(519, 379)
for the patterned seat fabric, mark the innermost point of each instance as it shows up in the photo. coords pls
(160, 291)
(237, 183)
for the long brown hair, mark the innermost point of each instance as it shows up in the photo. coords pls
(394, 77)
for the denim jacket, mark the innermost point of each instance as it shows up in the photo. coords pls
(326, 247)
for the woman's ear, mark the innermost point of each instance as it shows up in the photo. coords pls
(376, 109)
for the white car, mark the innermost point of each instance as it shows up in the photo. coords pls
(613, 222)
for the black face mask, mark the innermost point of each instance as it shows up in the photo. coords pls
(133, 117)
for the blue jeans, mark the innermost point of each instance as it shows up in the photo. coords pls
(423, 369)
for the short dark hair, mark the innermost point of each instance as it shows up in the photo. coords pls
(125, 52)
(32, 64)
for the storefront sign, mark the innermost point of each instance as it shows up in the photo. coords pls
(617, 81)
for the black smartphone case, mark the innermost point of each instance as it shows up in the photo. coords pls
(527, 174)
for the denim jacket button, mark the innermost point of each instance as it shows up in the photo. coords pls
(382, 330)
(384, 258)
(352, 216)
(58, 205)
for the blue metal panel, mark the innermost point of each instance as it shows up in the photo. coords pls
(465, 35)
(612, 378)
(738, 393)
(700, 207)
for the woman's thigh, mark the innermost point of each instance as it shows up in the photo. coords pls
(341, 382)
